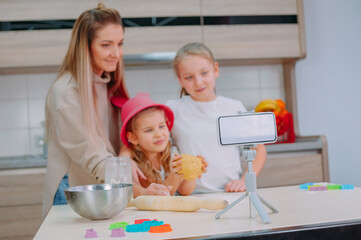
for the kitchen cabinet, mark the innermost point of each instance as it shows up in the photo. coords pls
(21, 193)
(277, 41)
(23, 10)
(45, 49)
(246, 30)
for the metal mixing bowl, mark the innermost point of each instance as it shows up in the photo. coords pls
(100, 201)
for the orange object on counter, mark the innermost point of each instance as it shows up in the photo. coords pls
(284, 119)
(161, 229)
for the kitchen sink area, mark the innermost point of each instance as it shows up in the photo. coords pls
(26, 161)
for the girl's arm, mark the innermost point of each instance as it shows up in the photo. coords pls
(259, 160)
(174, 179)
(186, 187)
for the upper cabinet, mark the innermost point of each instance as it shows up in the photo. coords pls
(254, 29)
(36, 33)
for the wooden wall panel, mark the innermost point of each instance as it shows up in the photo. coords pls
(253, 41)
(301, 28)
(20, 10)
(289, 80)
(248, 7)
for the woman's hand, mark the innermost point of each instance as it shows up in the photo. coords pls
(236, 186)
(157, 189)
(136, 172)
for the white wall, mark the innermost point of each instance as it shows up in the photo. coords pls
(328, 83)
(22, 98)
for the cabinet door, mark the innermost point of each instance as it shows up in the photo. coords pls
(263, 41)
(144, 40)
(25, 10)
(254, 29)
(21, 186)
(21, 194)
(47, 47)
(231, 40)
(248, 7)
(283, 169)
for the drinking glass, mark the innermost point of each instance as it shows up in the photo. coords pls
(118, 170)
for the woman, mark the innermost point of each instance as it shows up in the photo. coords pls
(81, 124)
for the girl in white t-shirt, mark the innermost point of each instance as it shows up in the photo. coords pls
(195, 113)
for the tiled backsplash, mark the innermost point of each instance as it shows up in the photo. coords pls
(22, 97)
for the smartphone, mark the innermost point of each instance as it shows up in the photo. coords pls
(247, 128)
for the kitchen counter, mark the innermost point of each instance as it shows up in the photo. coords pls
(27, 161)
(30, 161)
(328, 214)
(302, 144)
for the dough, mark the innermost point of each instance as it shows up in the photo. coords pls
(191, 166)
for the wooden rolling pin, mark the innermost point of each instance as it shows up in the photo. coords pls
(176, 203)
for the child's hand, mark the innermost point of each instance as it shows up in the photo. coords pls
(205, 164)
(157, 189)
(236, 186)
(176, 164)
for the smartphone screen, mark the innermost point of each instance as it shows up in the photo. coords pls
(248, 128)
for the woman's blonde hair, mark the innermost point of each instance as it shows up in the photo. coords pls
(139, 157)
(191, 49)
(78, 62)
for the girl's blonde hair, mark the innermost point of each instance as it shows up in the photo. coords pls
(78, 62)
(139, 157)
(191, 49)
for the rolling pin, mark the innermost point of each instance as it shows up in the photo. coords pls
(176, 203)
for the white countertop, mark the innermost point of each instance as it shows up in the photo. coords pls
(297, 208)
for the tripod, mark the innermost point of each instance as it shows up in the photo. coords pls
(255, 201)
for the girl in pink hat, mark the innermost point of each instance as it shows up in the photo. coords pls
(145, 134)
(194, 130)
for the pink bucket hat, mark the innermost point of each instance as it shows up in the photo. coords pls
(134, 106)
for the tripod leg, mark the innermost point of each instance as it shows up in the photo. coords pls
(251, 208)
(231, 205)
(268, 204)
(259, 207)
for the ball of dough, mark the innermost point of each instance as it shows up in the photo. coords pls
(191, 166)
